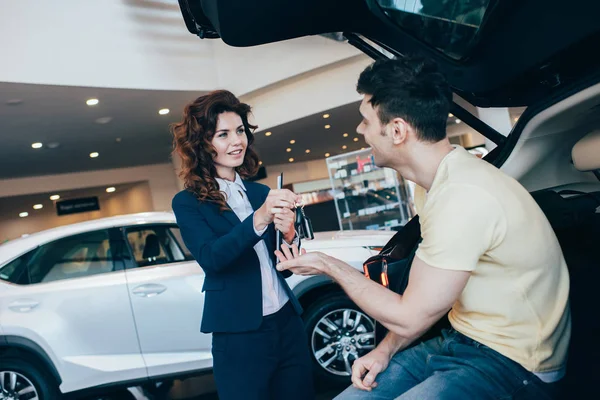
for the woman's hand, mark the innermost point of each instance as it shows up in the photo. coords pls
(276, 201)
(284, 223)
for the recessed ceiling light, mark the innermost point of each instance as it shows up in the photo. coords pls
(292, 141)
(37, 145)
(327, 126)
(103, 120)
(327, 154)
(345, 135)
(307, 151)
(110, 189)
(288, 150)
(94, 154)
(344, 147)
(268, 133)
(23, 214)
(291, 160)
(356, 139)
(260, 163)
(457, 121)
(325, 116)
(54, 197)
(163, 111)
(53, 145)
(92, 102)
(118, 140)
(450, 115)
(38, 207)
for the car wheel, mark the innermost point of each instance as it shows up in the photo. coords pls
(21, 380)
(338, 333)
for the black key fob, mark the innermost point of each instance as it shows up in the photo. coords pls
(303, 225)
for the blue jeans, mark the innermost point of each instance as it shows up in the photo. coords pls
(452, 367)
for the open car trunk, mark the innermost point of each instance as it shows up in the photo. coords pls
(501, 53)
(494, 53)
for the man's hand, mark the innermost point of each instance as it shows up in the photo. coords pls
(366, 369)
(302, 263)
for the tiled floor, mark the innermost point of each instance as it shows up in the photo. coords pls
(203, 388)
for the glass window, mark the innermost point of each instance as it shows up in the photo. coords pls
(177, 235)
(73, 257)
(154, 245)
(450, 26)
(16, 270)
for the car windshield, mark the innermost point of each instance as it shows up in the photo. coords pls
(451, 26)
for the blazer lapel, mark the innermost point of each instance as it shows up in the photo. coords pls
(254, 196)
(256, 200)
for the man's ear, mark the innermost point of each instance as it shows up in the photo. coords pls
(399, 131)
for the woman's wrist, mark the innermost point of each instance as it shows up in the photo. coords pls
(260, 222)
(289, 237)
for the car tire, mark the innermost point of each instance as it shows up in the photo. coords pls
(25, 374)
(345, 342)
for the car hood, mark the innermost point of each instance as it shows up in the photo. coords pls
(362, 238)
(501, 53)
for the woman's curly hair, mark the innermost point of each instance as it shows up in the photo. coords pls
(192, 142)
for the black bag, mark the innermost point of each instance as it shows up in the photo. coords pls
(391, 267)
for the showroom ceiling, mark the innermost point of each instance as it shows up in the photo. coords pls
(126, 129)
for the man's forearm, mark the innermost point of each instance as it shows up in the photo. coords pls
(393, 343)
(377, 301)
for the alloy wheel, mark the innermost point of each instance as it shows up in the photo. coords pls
(340, 337)
(15, 386)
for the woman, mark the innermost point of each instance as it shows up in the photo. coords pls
(260, 349)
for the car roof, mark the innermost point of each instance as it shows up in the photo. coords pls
(25, 243)
(524, 50)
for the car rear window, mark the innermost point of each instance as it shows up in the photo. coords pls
(451, 26)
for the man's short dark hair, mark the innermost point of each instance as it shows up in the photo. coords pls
(412, 89)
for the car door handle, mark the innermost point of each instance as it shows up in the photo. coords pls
(149, 290)
(23, 306)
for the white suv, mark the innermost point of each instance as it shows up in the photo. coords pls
(118, 301)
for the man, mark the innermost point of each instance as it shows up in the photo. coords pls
(488, 255)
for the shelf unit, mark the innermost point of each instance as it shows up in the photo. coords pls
(366, 196)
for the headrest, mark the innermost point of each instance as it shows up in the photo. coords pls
(151, 247)
(586, 152)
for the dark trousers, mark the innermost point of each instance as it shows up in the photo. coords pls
(271, 363)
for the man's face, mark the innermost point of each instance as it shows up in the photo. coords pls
(374, 132)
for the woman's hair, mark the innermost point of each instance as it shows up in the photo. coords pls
(192, 142)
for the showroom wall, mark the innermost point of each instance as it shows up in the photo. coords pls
(309, 93)
(161, 179)
(296, 172)
(157, 184)
(133, 200)
(130, 198)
